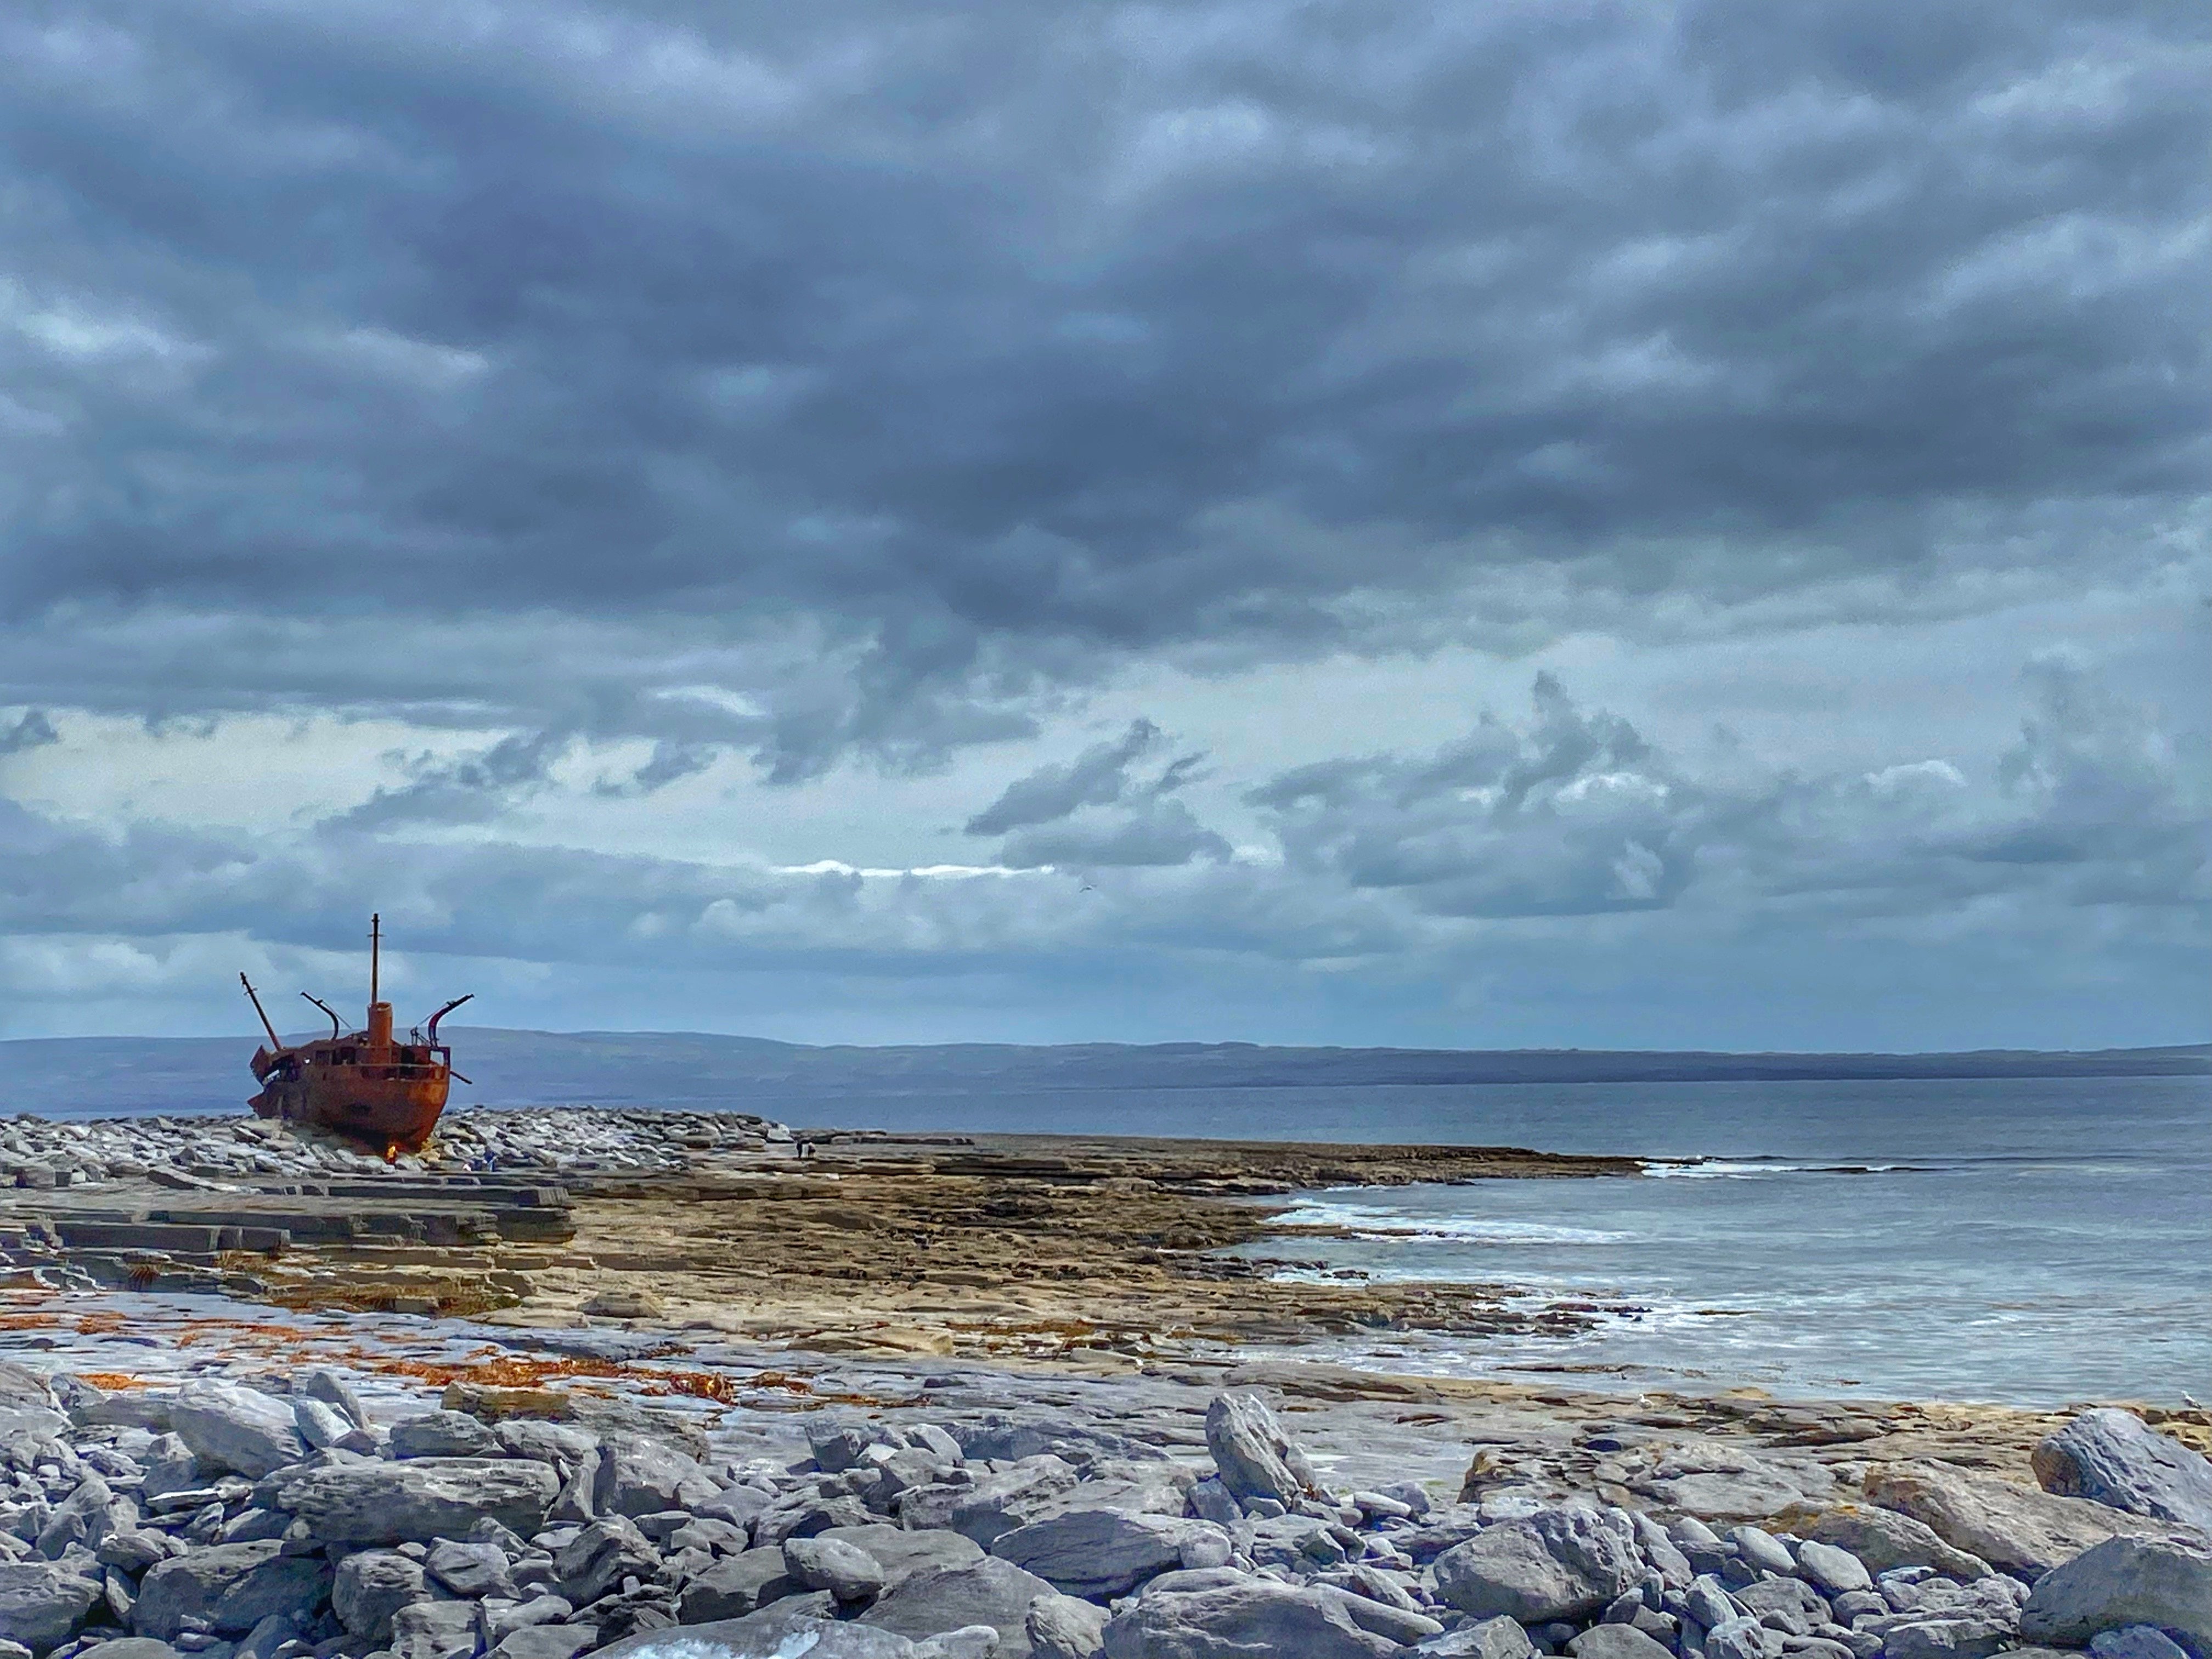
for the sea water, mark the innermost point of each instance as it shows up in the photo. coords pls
(2034, 1242)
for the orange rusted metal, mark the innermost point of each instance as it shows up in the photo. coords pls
(366, 1085)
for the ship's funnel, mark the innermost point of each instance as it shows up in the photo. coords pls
(379, 1023)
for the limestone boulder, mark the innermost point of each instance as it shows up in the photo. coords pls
(1881, 1539)
(2163, 1582)
(440, 1434)
(1616, 1642)
(2018, 1528)
(640, 1476)
(736, 1587)
(789, 1629)
(846, 1570)
(1489, 1638)
(1256, 1457)
(418, 1499)
(229, 1588)
(43, 1603)
(1257, 1616)
(901, 1554)
(230, 1426)
(371, 1585)
(1064, 1627)
(2114, 1458)
(1101, 1553)
(986, 1592)
(1563, 1564)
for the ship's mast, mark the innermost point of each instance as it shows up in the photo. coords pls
(375, 944)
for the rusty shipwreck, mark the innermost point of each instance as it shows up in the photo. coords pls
(367, 1085)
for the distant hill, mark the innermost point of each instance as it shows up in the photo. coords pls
(79, 1076)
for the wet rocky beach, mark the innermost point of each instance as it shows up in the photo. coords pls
(703, 1385)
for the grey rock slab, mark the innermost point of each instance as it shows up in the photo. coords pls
(846, 1570)
(229, 1426)
(640, 1476)
(321, 1425)
(971, 1641)
(2123, 1582)
(1949, 1639)
(1708, 1602)
(901, 1554)
(472, 1572)
(43, 1602)
(996, 1503)
(2113, 1457)
(440, 1434)
(1834, 1571)
(332, 1389)
(2016, 1527)
(547, 1642)
(1716, 1481)
(1192, 1578)
(770, 1632)
(2137, 1642)
(1742, 1638)
(1403, 1625)
(496, 1620)
(1762, 1549)
(739, 1505)
(1884, 1539)
(1661, 1554)
(1066, 1627)
(986, 1592)
(1489, 1639)
(1260, 1616)
(435, 1630)
(370, 1586)
(129, 1647)
(228, 1588)
(560, 1444)
(1615, 1641)
(1098, 1552)
(736, 1587)
(600, 1556)
(1561, 1564)
(1254, 1456)
(1788, 1605)
(424, 1497)
(83, 1519)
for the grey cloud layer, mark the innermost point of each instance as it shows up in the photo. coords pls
(2088, 822)
(899, 371)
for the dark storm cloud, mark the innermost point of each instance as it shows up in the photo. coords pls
(1097, 777)
(911, 368)
(33, 731)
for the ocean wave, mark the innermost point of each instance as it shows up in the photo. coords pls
(1388, 1226)
(1721, 1168)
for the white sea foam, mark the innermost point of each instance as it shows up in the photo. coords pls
(1721, 1168)
(1385, 1226)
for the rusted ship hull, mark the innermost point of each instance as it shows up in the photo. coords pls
(393, 1114)
(367, 1085)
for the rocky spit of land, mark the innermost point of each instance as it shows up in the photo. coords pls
(1035, 1247)
(702, 1387)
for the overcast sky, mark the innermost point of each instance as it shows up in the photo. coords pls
(1470, 523)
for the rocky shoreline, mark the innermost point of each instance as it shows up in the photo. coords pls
(703, 1387)
(226, 1521)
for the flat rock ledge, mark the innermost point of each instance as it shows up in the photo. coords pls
(229, 1521)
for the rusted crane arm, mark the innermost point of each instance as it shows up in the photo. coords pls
(443, 1012)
